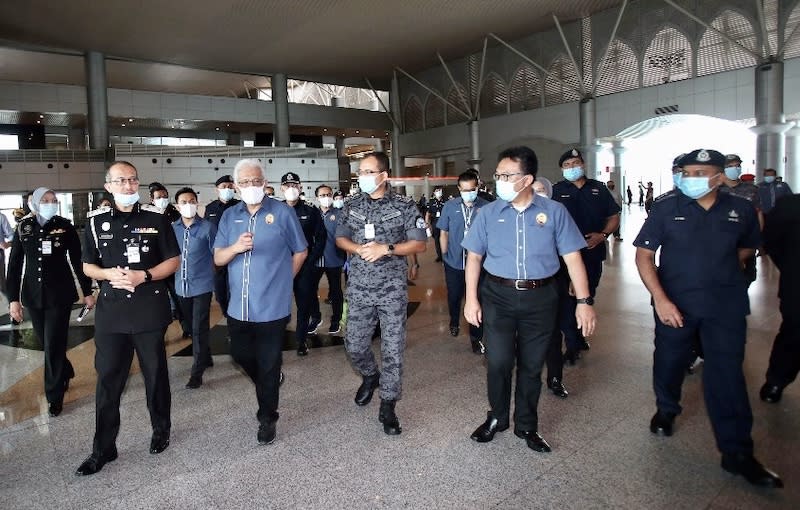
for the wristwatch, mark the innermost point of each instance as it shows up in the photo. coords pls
(147, 276)
(391, 249)
(585, 301)
(606, 234)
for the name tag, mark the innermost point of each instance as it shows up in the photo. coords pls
(47, 247)
(132, 252)
(438, 214)
(369, 231)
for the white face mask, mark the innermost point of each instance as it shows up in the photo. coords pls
(338, 203)
(188, 210)
(325, 201)
(47, 211)
(161, 202)
(125, 200)
(368, 183)
(437, 194)
(225, 194)
(291, 194)
(252, 195)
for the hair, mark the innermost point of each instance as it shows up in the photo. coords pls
(243, 163)
(119, 162)
(156, 186)
(185, 190)
(770, 170)
(468, 176)
(525, 156)
(381, 158)
(316, 191)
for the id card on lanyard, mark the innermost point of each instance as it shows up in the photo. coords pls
(466, 212)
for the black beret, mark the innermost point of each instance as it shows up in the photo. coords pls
(290, 177)
(224, 178)
(703, 157)
(572, 153)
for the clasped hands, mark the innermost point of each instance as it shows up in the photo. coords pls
(125, 279)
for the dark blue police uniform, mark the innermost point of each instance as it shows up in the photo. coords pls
(305, 288)
(213, 214)
(329, 264)
(700, 273)
(434, 209)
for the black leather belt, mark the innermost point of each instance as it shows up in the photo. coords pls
(520, 284)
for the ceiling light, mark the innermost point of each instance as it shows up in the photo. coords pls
(41, 116)
(130, 120)
(216, 129)
(357, 131)
(123, 124)
(38, 121)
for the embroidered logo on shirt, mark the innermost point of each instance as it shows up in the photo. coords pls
(58, 231)
(679, 218)
(733, 214)
(270, 219)
(27, 229)
(541, 218)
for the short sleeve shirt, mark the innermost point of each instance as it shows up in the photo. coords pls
(590, 206)
(523, 245)
(456, 220)
(699, 262)
(195, 275)
(260, 280)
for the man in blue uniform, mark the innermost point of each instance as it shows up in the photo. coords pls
(782, 242)
(305, 282)
(130, 250)
(699, 288)
(213, 213)
(518, 239)
(457, 216)
(194, 280)
(330, 263)
(771, 190)
(261, 242)
(433, 211)
(378, 229)
(597, 216)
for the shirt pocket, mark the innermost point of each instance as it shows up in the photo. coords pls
(393, 226)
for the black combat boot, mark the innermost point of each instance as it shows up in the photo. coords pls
(391, 425)
(367, 388)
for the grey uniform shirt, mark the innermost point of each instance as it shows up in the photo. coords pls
(394, 219)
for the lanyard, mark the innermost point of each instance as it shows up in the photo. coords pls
(467, 222)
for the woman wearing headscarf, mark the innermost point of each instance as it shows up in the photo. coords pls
(45, 252)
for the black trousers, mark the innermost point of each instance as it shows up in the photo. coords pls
(304, 291)
(724, 387)
(335, 294)
(519, 325)
(456, 288)
(112, 361)
(196, 311)
(784, 361)
(51, 325)
(256, 347)
(555, 360)
(221, 290)
(569, 326)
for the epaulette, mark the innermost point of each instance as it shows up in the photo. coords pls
(404, 198)
(152, 208)
(99, 210)
(669, 194)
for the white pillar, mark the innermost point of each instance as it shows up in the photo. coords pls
(770, 120)
(588, 130)
(792, 171)
(475, 159)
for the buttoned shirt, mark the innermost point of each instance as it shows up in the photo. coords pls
(590, 206)
(195, 275)
(41, 263)
(140, 239)
(456, 220)
(699, 265)
(215, 208)
(260, 280)
(313, 230)
(782, 241)
(770, 193)
(390, 219)
(331, 255)
(523, 245)
(434, 208)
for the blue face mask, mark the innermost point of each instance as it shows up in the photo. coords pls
(47, 211)
(573, 174)
(769, 179)
(733, 172)
(676, 179)
(694, 187)
(469, 196)
(368, 183)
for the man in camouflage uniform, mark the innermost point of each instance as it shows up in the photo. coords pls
(735, 184)
(378, 229)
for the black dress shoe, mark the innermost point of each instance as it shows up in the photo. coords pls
(302, 349)
(266, 433)
(661, 423)
(771, 393)
(159, 442)
(454, 330)
(534, 441)
(195, 382)
(585, 345)
(571, 357)
(438, 259)
(387, 416)
(55, 408)
(367, 388)
(95, 463)
(751, 469)
(488, 429)
(557, 387)
(477, 346)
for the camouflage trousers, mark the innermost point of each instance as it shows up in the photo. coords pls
(361, 321)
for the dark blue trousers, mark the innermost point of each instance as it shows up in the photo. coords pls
(724, 388)
(456, 288)
(567, 305)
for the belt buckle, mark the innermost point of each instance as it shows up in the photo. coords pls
(517, 287)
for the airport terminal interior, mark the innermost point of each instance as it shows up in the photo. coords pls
(184, 90)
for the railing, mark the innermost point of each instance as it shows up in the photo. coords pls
(230, 151)
(49, 156)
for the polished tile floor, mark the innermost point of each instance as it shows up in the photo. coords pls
(329, 453)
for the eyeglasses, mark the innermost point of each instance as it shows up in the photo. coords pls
(505, 177)
(246, 183)
(369, 172)
(121, 181)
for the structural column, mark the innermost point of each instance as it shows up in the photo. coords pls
(439, 167)
(398, 166)
(345, 175)
(588, 141)
(616, 173)
(280, 97)
(96, 99)
(792, 175)
(770, 121)
(475, 159)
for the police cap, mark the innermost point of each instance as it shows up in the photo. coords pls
(572, 153)
(703, 157)
(290, 178)
(224, 179)
(730, 158)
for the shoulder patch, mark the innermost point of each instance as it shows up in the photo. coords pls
(152, 208)
(99, 210)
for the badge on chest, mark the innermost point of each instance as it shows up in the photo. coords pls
(133, 252)
(369, 231)
(47, 247)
